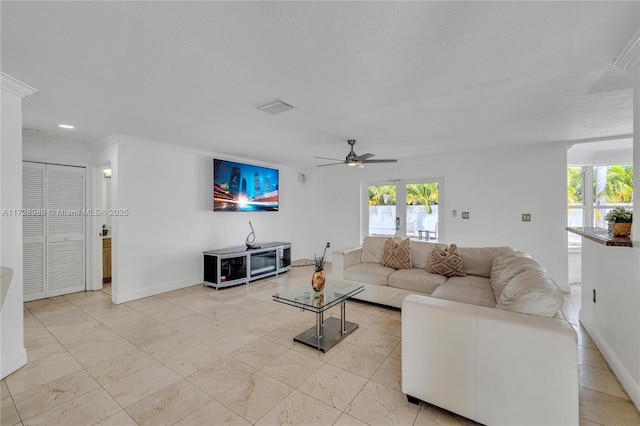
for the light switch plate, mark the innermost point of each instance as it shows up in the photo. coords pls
(526, 217)
(465, 215)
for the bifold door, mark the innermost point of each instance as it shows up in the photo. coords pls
(53, 230)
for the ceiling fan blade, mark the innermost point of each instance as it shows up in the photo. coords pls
(327, 158)
(389, 160)
(365, 156)
(331, 164)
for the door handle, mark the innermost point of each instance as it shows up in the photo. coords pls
(397, 223)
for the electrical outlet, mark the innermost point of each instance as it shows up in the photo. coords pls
(465, 215)
(328, 244)
(526, 217)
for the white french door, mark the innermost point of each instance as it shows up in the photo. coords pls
(403, 208)
(53, 230)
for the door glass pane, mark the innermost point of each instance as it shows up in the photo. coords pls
(382, 210)
(422, 211)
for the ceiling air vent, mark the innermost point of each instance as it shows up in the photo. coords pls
(276, 107)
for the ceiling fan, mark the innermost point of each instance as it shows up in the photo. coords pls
(353, 159)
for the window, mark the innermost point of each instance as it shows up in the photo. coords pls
(594, 190)
(575, 202)
(417, 217)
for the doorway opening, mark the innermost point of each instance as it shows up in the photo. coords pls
(106, 226)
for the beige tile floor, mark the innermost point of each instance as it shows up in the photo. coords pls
(198, 356)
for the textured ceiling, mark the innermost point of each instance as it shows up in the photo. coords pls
(405, 79)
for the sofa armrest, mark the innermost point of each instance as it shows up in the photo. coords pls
(342, 259)
(490, 365)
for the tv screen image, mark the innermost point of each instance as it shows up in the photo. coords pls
(239, 187)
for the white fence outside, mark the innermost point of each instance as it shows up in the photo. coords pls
(382, 220)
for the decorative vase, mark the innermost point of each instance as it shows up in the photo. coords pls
(318, 300)
(621, 229)
(317, 282)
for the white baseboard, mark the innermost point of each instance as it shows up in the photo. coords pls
(626, 380)
(123, 297)
(13, 362)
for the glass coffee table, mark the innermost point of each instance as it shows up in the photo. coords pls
(326, 333)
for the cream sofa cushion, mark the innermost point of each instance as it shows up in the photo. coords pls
(370, 273)
(372, 248)
(420, 253)
(470, 289)
(504, 272)
(531, 292)
(479, 260)
(417, 280)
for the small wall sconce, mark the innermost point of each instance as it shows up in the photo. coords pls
(106, 173)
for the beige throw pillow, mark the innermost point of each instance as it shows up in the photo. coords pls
(396, 256)
(504, 270)
(387, 252)
(446, 261)
(532, 292)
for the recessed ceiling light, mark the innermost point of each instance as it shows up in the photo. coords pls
(66, 126)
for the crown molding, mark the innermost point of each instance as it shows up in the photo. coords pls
(16, 87)
(629, 58)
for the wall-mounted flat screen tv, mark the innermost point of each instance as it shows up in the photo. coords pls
(239, 187)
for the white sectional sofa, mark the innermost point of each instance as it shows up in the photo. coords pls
(491, 346)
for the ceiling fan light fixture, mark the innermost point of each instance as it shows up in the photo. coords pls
(352, 159)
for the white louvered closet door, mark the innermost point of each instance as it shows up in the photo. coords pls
(33, 230)
(54, 244)
(65, 230)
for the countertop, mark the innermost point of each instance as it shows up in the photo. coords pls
(601, 236)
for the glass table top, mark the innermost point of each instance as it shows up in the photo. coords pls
(334, 293)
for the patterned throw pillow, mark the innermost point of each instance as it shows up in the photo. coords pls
(446, 261)
(396, 256)
(387, 252)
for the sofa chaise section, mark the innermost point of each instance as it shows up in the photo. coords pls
(493, 366)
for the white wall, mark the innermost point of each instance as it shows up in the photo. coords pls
(495, 186)
(168, 191)
(53, 151)
(612, 321)
(12, 351)
(575, 157)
